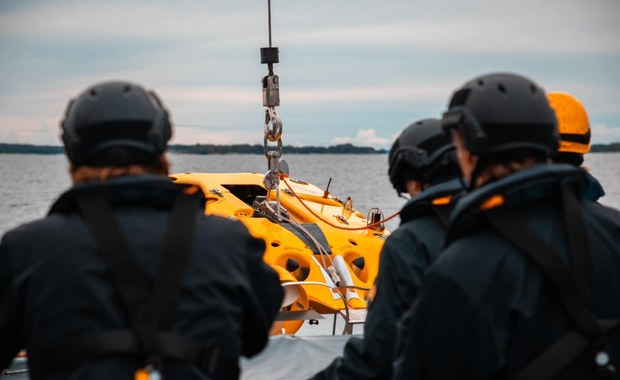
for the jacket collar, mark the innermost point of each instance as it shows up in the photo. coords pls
(519, 190)
(439, 194)
(144, 190)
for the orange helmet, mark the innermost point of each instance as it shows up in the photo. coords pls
(573, 123)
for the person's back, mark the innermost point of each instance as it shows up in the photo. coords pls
(65, 300)
(499, 309)
(421, 163)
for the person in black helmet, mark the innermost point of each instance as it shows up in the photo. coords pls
(528, 285)
(422, 164)
(126, 277)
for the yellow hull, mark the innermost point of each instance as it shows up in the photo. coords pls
(352, 254)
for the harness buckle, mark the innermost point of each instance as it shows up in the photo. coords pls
(606, 369)
(148, 372)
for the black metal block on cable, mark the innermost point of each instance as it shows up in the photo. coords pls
(269, 55)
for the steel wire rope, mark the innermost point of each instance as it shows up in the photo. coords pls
(322, 251)
(291, 220)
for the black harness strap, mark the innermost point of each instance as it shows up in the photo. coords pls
(509, 224)
(143, 307)
(561, 353)
(574, 289)
(578, 244)
(74, 352)
(177, 251)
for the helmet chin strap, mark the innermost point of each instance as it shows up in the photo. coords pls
(403, 195)
(474, 176)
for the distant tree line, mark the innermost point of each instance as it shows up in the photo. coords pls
(613, 147)
(30, 149)
(249, 149)
(209, 149)
(258, 149)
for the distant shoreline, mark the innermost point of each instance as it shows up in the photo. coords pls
(209, 149)
(605, 148)
(250, 149)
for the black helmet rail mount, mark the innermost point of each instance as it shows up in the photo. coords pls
(114, 114)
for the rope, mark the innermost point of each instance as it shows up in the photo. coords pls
(369, 226)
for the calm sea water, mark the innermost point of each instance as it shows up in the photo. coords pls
(31, 183)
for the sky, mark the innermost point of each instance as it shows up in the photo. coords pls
(351, 71)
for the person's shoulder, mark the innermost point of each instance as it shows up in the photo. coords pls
(411, 234)
(465, 249)
(33, 241)
(401, 244)
(600, 211)
(34, 230)
(218, 224)
(603, 209)
(405, 231)
(230, 234)
(476, 257)
(418, 227)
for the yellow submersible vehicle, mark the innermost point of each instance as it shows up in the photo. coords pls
(325, 252)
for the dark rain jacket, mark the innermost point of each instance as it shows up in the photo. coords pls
(595, 190)
(406, 254)
(54, 286)
(485, 310)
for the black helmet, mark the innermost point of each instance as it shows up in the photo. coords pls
(115, 115)
(502, 112)
(423, 152)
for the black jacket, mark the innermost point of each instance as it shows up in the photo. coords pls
(406, 254)
(485, 310)
(595, 190)
(54, 286)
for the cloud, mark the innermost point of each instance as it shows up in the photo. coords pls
(458, 36)
(129, 20)
(567, 26)
(377, 93)
(602, 134)
(211, 94)
(190, 135)
(598, 98)
(364, 137)
(343, 69)
(20, 130)
(560, 26)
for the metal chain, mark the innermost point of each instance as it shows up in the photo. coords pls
(273, 122)
(273, 131)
